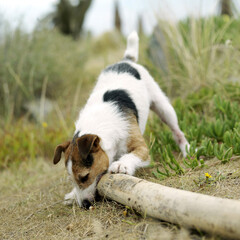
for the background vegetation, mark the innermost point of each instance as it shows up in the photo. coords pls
(41, 69)
(200, 74)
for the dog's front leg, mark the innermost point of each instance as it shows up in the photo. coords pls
(137, 156)
(70, 198)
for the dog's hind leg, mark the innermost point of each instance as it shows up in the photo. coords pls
(162, 107)
(138, 154)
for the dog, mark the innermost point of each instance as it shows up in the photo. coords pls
(109, 130)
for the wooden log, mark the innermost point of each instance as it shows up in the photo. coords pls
(193, 210)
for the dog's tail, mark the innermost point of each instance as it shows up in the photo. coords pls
(131, 52)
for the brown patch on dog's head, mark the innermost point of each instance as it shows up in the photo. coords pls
(87, 157)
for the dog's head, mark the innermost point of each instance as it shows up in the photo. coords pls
(85, 161)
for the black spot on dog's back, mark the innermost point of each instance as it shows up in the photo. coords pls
(122, 99)
(123, 68)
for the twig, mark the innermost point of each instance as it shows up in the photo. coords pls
(145, 229)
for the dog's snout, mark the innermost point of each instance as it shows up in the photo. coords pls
(86, 204)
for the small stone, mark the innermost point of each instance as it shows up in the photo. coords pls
(91, 208)
(125, 213)
(70, 227)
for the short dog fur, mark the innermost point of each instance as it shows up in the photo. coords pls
(108, 135)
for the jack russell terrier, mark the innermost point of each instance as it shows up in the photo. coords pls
(109, 129)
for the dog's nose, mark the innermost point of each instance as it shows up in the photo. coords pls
(86, 204)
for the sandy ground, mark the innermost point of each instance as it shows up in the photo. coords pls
(31, 204)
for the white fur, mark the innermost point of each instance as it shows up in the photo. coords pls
(161, 106)
(132, 46)
(69, 168)
(105, 120)
(127, 164)
(70, 197)
(78, 194)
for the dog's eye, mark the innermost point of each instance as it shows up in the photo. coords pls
(83, 179)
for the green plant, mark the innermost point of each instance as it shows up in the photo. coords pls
(24, 141)
(214, 135)
(232, 139)
(201, 69)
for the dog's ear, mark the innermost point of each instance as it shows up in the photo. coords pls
(87, 144)
(58, 151)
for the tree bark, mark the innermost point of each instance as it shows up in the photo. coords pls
(226, 7)
(79, 16)
(69, 19)
(117, 19)
(193, 210)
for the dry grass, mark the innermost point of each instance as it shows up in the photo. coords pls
(224, 181)
(32, 208)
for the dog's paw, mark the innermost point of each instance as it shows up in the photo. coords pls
(121, 167)
(185, 148)
(69, 198)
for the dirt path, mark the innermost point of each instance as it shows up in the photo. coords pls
(31, 205)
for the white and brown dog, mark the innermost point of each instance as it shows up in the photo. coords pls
(108, 135)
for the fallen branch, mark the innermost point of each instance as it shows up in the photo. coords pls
(193, 210)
